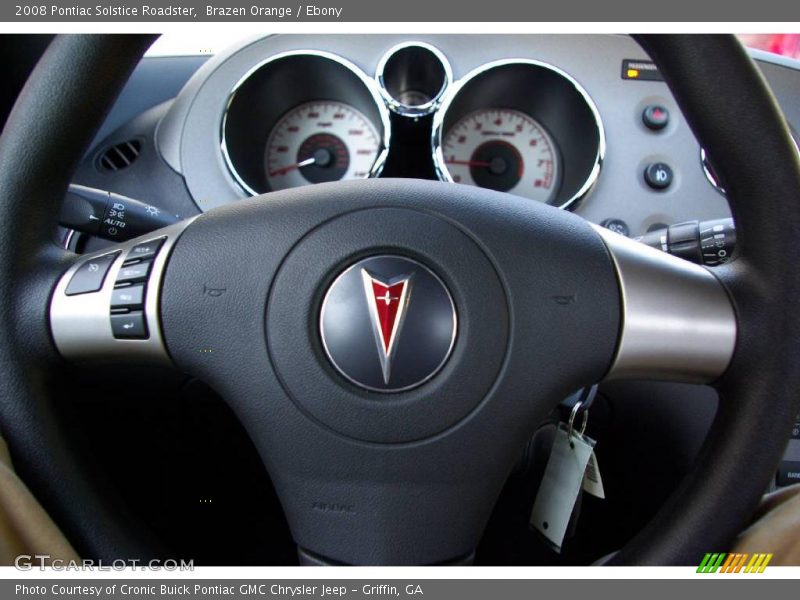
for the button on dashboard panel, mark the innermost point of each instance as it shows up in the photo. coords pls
(788, 473)
(655, 117)
(789, 467)
(658, 175)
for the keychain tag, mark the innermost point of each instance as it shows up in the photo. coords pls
(592, 482)
(561, 485)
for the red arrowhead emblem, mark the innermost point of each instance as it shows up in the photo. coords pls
(387, 301)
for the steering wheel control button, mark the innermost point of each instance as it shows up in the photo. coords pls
(130, 325)
(121, 322)
(658, 176)
(131, 296)
(144, 250)
(388, 323)
(655, 117)
(131, 273)
(90, 275)
(617, 226)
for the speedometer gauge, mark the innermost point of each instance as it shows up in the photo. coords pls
(320, 141)
(504, 150)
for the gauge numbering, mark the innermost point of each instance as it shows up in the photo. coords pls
(504, 150)
(320, 141)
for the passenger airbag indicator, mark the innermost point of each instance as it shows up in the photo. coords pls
(640, 69)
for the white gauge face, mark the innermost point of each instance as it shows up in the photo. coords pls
(320, 141)
(503, 150)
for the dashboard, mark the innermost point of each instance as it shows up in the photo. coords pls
(580, 122)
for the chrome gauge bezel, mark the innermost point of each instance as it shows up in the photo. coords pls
(711, 176)
(282, 176)
(369, 83)
(437, 134)
(406, 110)
(708, 171)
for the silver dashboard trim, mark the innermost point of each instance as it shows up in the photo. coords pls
(406, 110)
(369, 83)
(678, 323)
(81, 325)
(437, 134)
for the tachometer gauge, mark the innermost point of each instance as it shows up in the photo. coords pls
(320, 141)
(504, 150)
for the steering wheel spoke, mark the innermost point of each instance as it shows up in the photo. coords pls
(106, 307)
(678, 321)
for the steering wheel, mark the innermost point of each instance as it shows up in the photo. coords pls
(390, 345)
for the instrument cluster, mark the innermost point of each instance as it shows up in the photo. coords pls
(515, 125)
(304, 117)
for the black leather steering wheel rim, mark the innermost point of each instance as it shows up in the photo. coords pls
(66, 97)
(721, 93)
(754, 417)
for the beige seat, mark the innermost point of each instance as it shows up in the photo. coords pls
(776, 528)
(25, 528)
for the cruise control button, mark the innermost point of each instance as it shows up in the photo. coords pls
(658, 175)
(131, 296)
(129, 325)
(145, 250)
(655, 117)
(90, 275)
(135, 272)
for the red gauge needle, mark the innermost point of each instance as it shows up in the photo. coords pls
(469, 163)
(287, 168)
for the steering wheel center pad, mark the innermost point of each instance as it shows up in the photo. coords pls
(538, 309)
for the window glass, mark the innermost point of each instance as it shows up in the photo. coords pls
(785, 44)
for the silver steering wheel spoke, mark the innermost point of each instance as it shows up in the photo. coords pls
(106, 307)
(678, 323)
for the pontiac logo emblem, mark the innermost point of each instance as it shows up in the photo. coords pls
(387, 323)
(388, 301)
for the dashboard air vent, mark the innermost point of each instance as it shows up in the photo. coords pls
(119, 156)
